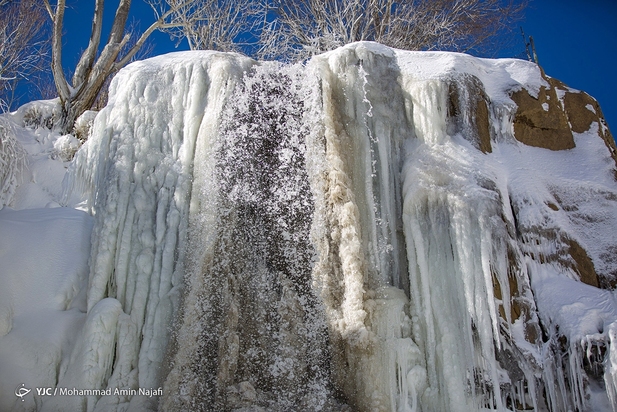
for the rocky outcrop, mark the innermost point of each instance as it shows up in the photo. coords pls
(549, 119)
(468, 111)
(583, 111)
(584, 266)
(541, 120)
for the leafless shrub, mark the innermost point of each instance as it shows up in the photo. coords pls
(144, 52)
(95, 65)
(301, 28)
(12, 162)
(23, 45)
(210, 24)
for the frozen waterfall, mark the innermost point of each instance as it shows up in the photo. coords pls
(361, 232)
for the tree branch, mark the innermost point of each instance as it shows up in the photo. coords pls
(56, 57)
(87, 58)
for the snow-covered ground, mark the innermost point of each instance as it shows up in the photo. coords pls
(44, 252)
(436, 269)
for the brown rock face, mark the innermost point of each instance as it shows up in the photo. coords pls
(472, 97)
(582, 110)
(548, 120)
(483, 126)
(542, 121)
(584, 265)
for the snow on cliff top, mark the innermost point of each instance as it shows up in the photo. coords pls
(499, 76)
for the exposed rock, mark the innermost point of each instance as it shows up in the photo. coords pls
(550, 121)
(581, 109)
(519, 307)
(474, 99)
(482, 123)
(584, 265)
(542, 121)
(553, 206)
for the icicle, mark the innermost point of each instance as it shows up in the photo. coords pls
(610, 366)
(430, 105)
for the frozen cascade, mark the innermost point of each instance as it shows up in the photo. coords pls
(362, 232)
(141, 199)
(253, 319)
(459, 242)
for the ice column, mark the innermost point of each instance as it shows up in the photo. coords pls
(457, 241)
(137, 170)
(362, 268)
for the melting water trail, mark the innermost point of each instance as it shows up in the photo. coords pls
(262, 337)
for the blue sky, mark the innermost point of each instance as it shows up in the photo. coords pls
(576, 41)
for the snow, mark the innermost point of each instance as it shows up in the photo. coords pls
(44, 260)
(499, 77)
(302, 228)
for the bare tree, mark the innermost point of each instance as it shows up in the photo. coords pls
(97, 62)
(23, 45)
(210, 24)
(144, 52)
(302, 28)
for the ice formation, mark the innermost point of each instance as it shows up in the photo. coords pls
(366, 231)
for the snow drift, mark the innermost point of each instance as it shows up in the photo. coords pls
(375, 230)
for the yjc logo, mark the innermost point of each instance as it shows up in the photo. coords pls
(22, 391)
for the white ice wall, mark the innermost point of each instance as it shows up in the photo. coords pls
(137, 171)
(430, 295)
